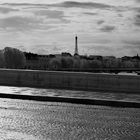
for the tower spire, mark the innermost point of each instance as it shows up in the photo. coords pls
(76, 46)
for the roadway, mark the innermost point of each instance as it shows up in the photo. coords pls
(32, 120)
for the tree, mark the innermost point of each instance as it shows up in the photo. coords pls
(84, 64)
(2, 60)
(95, 64)
(76, 63)
(14, 58)
(128, 64)
(55, 64)
(67, 62)
(111, 63)
(64, 62)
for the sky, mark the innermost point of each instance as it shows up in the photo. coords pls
(103, 27)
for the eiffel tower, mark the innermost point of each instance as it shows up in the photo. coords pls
(76, 46)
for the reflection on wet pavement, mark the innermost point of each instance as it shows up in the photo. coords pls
(30, 120)
(69, 93)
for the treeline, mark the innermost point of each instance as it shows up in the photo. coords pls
(66, 61)
(78, 63)
(15, 59)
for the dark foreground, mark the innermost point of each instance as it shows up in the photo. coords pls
(31, 120)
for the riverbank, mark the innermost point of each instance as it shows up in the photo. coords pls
(71, 80)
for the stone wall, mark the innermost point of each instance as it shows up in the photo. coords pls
(71, 80)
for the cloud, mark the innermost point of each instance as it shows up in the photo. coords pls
(131, 46)
(50, 13)
(100, 49)
(22, 23)
(70, 4)
(109, 49)
(133, 42)
(27, 19)
(6, 10)
(137, 1)
(45, 49)
(52, 16)
(131, 49)
(66, 4)
(137, 20)
(100, 22)
(39, 48)
(41, 51)
(137, 16)
(107, 28)
(21, 4)
(56, 49)
(90, 13)
(16, 22)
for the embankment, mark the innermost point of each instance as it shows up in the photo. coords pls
(71, 80)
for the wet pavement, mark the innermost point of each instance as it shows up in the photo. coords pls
(31, 120)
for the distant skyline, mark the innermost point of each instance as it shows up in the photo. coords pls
(103, 27)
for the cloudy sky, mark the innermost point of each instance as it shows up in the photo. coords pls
(104, 27)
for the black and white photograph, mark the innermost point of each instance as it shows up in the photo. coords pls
(69, 69)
